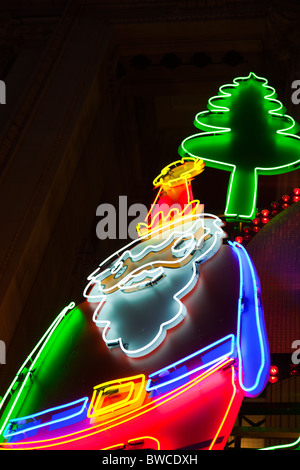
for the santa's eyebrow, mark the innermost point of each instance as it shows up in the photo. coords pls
(142, 279)
(207, 236)
(161, 252)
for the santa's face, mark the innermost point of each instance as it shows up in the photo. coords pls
(138, 290)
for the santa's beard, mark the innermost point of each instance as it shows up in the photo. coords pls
(137, 321)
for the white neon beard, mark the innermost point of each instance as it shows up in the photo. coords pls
(138, 321)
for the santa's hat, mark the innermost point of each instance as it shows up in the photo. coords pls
(174, 199)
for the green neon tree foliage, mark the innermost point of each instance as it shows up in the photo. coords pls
(245, 131)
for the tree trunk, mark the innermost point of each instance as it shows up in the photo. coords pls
(241, 196)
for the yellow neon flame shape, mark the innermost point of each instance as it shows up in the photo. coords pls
(174, 213)
(168, 176)
(96, 409)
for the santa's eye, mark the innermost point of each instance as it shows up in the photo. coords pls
(183, 246)
(118, 269)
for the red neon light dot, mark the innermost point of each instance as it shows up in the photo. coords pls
(273, 379)
(239, 239)
(275, 204)
(274, 212)
(247, 229)
(273, 370)
(296, 198)
(286, 198)
(247, 237)
(293, 369)
(265, 213)
(265, 220)
(256, 229)
(285, 205)
(255, 221)
(297, 191)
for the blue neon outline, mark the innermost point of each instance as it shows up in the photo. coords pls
(261, 373)
(197, 369)
(258, 385)
(6, 433)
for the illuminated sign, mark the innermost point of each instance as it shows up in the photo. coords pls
(245, 131)
(125, 411)
(168, 342)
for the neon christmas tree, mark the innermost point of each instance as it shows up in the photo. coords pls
(245, 131)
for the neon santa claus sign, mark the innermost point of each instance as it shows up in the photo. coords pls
(169, 340)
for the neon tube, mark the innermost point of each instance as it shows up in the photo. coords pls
(131, 398)
(261, 372)
(283, 446)
(227, 410)
(196, 167)
(8, 434)
(153, 386)
(43, 341)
